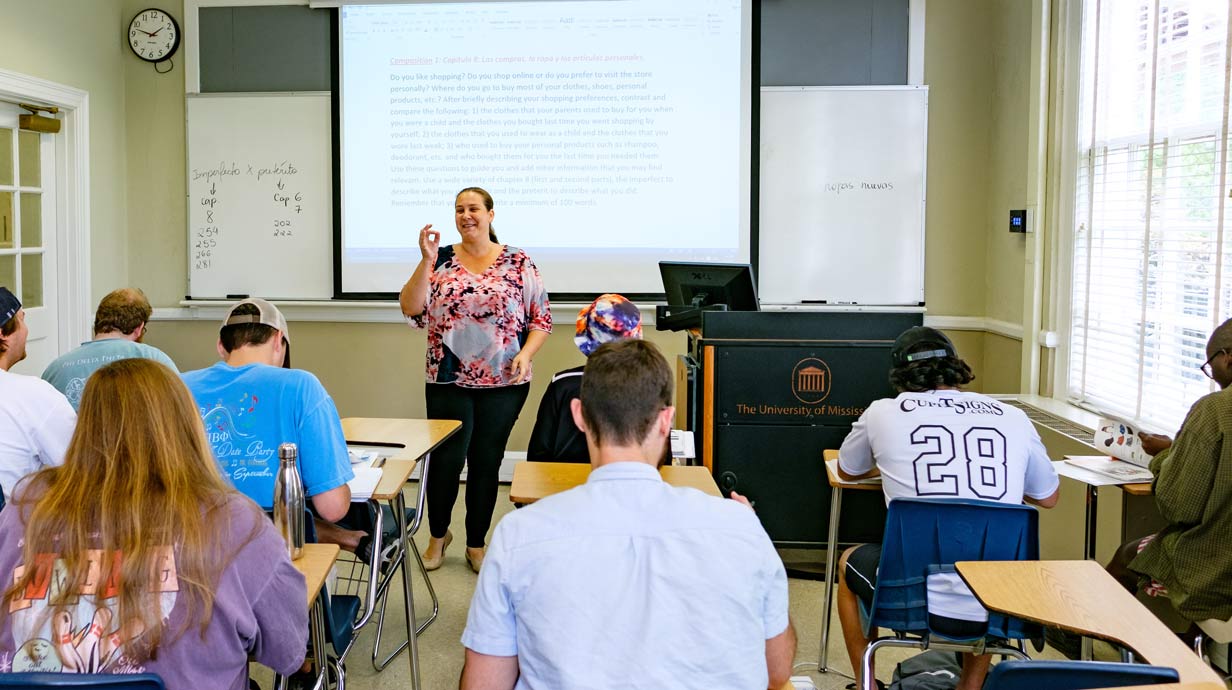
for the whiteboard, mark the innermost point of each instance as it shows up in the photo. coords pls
(260, 196)
(842, 194)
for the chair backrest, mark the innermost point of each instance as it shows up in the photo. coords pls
(1074, 675)
(924, 535)
(136, 681)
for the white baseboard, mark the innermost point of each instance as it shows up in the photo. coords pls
(974, 323)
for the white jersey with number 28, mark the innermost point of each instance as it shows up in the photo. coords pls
(950, 443)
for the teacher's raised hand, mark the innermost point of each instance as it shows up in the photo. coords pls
(429, 243)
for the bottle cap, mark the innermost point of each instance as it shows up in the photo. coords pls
(287, 451)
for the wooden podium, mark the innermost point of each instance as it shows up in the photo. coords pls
(766, 392)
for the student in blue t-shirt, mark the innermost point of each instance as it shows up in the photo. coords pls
(120, 323)
(252, 402)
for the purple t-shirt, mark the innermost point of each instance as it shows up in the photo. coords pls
(258, 611)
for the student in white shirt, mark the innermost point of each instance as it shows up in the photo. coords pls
(934, 440)
(36, 420)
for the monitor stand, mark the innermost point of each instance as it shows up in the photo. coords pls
(679, 317)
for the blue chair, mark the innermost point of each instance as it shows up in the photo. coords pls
(1074, 675)
(927, 536)
(74, 681)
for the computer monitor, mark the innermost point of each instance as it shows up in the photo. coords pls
(692, 288)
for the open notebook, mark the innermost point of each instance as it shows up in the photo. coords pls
(366, 463)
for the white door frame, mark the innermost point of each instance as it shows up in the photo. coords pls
(72, 221)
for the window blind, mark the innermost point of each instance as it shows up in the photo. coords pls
(1153, 221)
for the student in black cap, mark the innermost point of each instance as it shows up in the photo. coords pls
(36, 421)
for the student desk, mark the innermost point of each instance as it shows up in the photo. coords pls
(314, 563)
(1092, 481)
(837, 485)
(1080, 596)
(406, 441)
(535, 480)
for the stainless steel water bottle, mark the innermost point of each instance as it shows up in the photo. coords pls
(289, 500)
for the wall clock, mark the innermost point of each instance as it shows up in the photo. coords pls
(153, 35)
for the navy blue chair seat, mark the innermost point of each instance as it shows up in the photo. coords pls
(1074, 675)
(33, 681)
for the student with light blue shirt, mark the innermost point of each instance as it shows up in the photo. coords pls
(626, 581)
(120, 322)
(252, 402)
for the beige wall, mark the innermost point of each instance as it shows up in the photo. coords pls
(958, 72)
(377, 369)
(1010, 60)
(156, 176)
(80, 44)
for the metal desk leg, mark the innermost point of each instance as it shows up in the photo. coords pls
(1092, 513)
(406, 545)
(836, 502)
(317, 632)
(408, 596)
(1088, 548)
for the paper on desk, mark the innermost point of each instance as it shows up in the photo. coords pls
(682, 444)
(1085, 476)
(833, 465)
(365, 481)
(1123, 472)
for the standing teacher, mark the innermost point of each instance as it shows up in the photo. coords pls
(487, 314)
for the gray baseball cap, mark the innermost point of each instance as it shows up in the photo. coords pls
(268, 316)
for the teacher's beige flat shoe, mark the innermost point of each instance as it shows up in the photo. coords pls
(434, 555)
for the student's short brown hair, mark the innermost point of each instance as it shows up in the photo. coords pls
(9, 328)
(624, 387)
(122, 310)
(240, 335)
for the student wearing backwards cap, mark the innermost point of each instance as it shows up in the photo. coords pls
(929, 414)
(252, 402)
(556, 438)
(36, 421)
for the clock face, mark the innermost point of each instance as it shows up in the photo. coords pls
(153, 35)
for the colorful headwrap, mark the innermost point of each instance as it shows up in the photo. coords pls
(608, 318)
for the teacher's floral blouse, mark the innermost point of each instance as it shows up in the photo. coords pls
(477, 323)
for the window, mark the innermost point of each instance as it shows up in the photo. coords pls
(1152, 273)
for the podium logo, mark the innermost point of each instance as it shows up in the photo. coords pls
(811, 381)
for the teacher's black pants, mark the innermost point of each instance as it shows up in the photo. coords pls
(487, 416)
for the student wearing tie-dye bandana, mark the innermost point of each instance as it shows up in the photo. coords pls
(555, 437)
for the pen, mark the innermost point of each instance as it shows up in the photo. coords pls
(377, 444)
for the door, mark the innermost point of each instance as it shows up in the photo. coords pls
(28, 234)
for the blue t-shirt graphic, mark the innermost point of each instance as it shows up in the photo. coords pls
(69, 372)
(250, 410)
